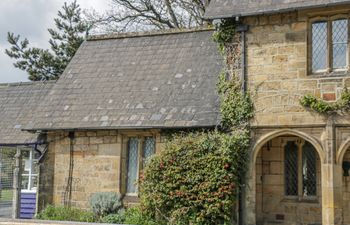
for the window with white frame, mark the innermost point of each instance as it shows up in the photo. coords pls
(300, 172)
(139, 150)
(329, 45)
(30, 170)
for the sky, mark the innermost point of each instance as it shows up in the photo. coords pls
(31, 19)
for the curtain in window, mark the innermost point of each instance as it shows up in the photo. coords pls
(133, 165)
(291, 168)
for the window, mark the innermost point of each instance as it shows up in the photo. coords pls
(300, 172)
(30, 170)
(138, 152)
(329, 45)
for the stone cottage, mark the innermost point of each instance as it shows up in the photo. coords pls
(120, 93)
(109, 110)
(299, 159)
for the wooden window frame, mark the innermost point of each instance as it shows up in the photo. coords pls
(125, 160)
(329, 69)
(300, 143)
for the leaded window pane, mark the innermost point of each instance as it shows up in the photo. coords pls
(133, 165)
(340, 43)
(291, 168)
(319, 46)
(148, 148)
(309, 170)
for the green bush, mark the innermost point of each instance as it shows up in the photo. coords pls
(194, 180)
(66, 214)
(114, 218)
(236, 107)
(105, 203)
(134, 215)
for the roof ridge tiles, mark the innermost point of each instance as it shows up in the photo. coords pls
(25, 83)
(147, 33)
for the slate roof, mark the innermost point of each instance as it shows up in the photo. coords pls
(17, 108)
(218, 9)
(128, 81)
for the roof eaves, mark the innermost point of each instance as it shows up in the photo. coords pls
(268, 12)
(116, 128)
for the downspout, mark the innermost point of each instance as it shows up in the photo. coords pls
(242, 28)
(67, 199)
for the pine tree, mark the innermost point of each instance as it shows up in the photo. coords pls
(44, 64)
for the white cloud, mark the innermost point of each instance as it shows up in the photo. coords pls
(31, 19)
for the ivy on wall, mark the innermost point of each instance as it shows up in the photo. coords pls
(318, 105)
(224, 33)
(195, 180)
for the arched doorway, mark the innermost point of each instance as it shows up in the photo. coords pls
(288, 180)
(344, 160)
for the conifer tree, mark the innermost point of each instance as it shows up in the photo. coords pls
(48, 64)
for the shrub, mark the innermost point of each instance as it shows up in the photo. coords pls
(62, 213)
(105, 203)
(194, 180)
(114, 218)
(134, 215)
(323, 107)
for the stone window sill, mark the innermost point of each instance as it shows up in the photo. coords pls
(311, 200)
(330, 74)
(131, 199)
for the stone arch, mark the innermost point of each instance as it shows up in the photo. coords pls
(267, 137)
(250, 191)
(342, 150)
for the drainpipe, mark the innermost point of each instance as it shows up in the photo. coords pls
(242, 28)
(67, 198)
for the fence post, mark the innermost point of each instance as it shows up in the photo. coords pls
(17, 181)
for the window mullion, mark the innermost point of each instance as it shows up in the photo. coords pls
(330, 45)
(300, 171)
(140, 151)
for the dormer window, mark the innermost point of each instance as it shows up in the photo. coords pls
(329, 45)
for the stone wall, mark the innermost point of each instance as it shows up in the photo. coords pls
(46, 180)
(277, 70)
(277, 77)
(97, 163)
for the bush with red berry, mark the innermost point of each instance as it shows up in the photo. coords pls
(195, 179)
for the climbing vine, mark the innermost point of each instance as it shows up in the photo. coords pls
(236, 107)
(224, 33)
(318, 105)
(195, 180)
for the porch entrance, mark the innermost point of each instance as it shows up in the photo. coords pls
(288, 183)
(28, 177)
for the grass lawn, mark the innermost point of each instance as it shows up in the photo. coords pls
(6, 195)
